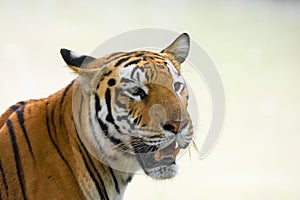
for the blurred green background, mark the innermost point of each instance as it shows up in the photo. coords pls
(255, 46)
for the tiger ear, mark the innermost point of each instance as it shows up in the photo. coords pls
(74, 60)
(179, 49)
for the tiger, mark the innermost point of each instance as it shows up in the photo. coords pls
(124, 112)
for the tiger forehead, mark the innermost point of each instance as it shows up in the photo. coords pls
(147, 62)
(139, 58)
(123, 59)
(142, 67)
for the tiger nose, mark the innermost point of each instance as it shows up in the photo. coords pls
(175, 126)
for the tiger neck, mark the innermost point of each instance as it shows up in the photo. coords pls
(95, 179)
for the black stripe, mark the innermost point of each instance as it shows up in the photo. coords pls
(134, 71)
(118, 92)
(139, 54)
(126, 80)
(105, 130)
(17, 157)
(98, 108)
(17, 105)
(115, 180)
(20, 115)
(54, 143)
(92, 176)
(136, 121)
(97, 103)
(103, 126)
(14, 107)
(80, 110)
(65, 92)
(61, 116)
(147, 75)
(3, 179)
(108, 73)
(132, 62)
(92, 171)
(121, 61)
(113, 55)
(156, 56)
(125, 117)
(121, 55)
(21, 103)
(53, 122)
(108, 104)
(91, 122)
(109, 117)
(128, 180)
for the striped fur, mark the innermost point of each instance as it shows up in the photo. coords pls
(87, 140)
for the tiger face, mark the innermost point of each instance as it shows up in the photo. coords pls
(137, 105)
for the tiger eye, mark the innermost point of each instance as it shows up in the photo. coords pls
(177, 86)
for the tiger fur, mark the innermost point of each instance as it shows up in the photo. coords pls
(124, 111)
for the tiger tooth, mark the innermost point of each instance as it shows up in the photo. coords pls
(157, 155)
(176, 151)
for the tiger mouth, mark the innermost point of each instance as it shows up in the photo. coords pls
(169, 151)
(159, 157)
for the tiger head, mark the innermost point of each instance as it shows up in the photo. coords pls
(130, 109)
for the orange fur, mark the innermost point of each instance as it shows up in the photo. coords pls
(47, 146)
(57, 146)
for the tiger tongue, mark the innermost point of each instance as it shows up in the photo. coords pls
(169, 151)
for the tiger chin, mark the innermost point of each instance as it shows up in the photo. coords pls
(123, 112)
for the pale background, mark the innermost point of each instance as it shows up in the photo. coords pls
(255, 46)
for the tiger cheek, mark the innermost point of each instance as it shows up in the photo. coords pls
(134, 108)
(139, 108)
